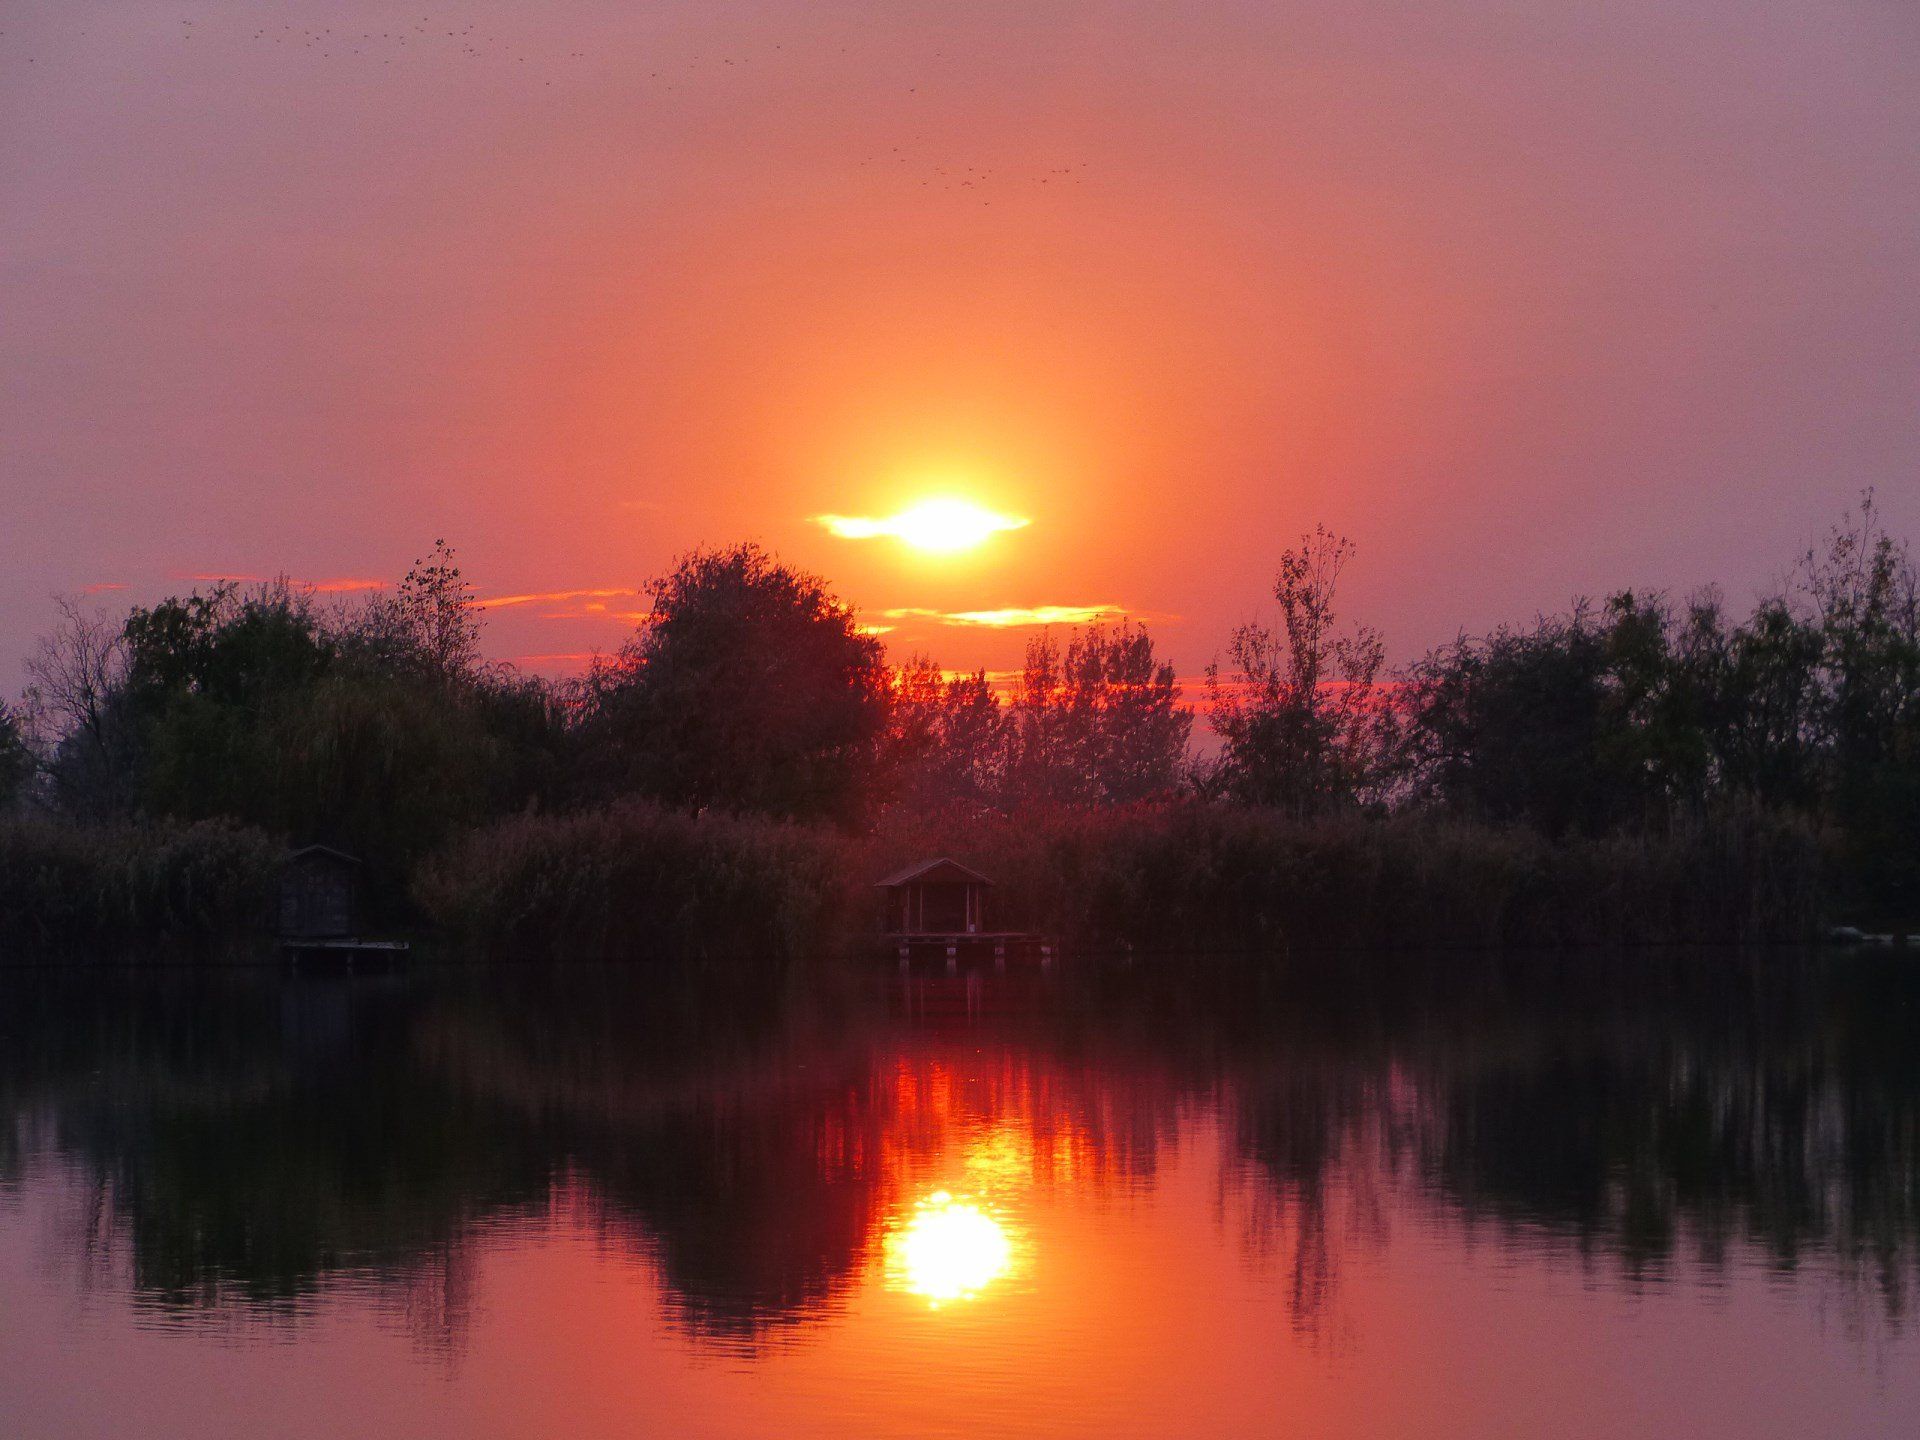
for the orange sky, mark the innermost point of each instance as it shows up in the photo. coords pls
(1530, 299)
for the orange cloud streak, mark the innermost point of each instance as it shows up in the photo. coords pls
(339, 585)
(501, 602)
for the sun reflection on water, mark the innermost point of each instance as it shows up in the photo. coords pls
(948, 1249)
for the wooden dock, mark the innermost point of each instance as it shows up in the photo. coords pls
(997, 945)
(345, 953)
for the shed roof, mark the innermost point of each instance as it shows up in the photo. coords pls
(936, 871)
(317, 851)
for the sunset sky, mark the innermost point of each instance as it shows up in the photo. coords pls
(1528, 298)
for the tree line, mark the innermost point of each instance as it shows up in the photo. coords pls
(751, 689)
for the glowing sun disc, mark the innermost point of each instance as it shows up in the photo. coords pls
(941, 526)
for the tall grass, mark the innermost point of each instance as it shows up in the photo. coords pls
(100, 889)
(1197, 876)
(638, 881)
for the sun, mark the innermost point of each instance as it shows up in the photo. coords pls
(950, 1249)
(945, 525)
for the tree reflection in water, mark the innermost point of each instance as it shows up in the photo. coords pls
(248, 1142)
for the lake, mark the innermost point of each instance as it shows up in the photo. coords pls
(1348, 1196)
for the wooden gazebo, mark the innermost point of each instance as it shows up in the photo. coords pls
(935, 898)
(319, 895)
(321, 904)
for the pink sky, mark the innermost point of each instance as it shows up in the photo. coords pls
(1530, 299)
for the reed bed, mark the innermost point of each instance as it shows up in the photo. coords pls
(639, 881)
(636, 881)
(1193, 876)
(131, 888)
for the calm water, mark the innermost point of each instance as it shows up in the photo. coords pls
(1530, 1198)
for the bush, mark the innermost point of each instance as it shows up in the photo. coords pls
(637, 881)
(66, 888)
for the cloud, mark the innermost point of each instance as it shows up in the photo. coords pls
(596, 611)
(335, 585)
(1014, 617)
(101, 587)
(548, 597)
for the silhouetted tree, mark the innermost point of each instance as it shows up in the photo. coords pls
(210, 681)
(16, 758)
(376, 728)
(1304, 721)
(948, 739)
(75, 695)
(1042, 766)
(1097, 723)
(1866, 596)
(429, 623)
(1758, 694)
(749, 687)
(1584, 722)
(1630, 713)
(359, 733)
(1512, 726)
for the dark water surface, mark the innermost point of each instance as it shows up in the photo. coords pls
(1534, 1197)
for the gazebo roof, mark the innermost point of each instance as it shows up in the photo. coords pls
(322, 850)
(937, 871)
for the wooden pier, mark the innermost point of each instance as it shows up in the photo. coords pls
(346, 954)
(999, 945)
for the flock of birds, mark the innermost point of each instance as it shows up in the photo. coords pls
(977, 178)
(426, 33)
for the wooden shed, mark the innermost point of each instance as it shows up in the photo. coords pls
(319, 895)
(936, 897)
